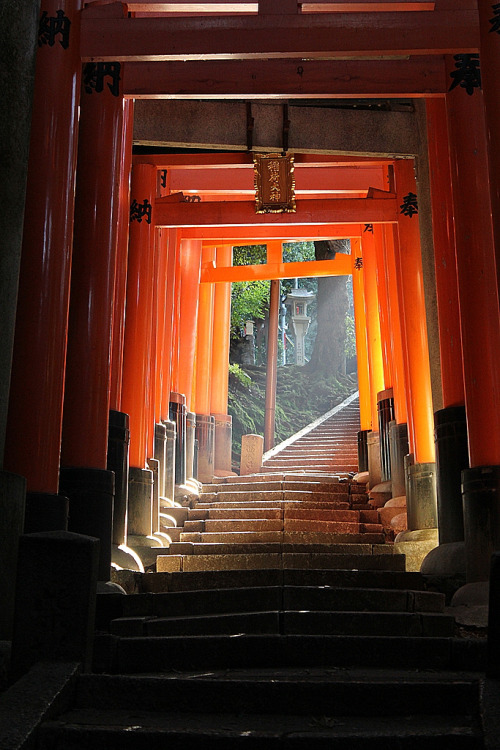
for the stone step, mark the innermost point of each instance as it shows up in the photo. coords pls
(247, 543)
(243, 487)
(298, 691)
(158, 654)
(290, 623)
(313, 560)
(200, 514)
(325, 579)
(283, 709)
(230, 600)
(333, 504)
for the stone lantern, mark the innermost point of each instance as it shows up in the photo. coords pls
(299, 299)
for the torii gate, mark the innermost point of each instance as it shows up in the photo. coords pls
(242, 56)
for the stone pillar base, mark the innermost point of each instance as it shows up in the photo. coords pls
(446, 561)
(169, 461)
(223, 443)
(154, 466)
(12, 500)
(373, 449)
(161, 455)
(205, 434)
(416, 545)
(190, 438)
(118, 448)
(398, 438)
(91, 492)
(140, 502)
(178, 417)
(481, 502)
(452, 457)
(363, 450)
(421, 500)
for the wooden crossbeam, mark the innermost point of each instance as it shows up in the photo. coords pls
(246, 79)
(222, 214)
(255, 234)
(325, 35)
(340, 266)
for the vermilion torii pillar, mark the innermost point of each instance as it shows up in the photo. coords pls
(205, 423)
(450, 422)
(365, 411)
(375, 365)
(84, 477)
(399, 430)
(220, 364)
(138, 387)
(190, 271)
(421, 493)
(479, 317)
(34, 421)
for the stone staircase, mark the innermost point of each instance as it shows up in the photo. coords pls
(328, 445)
(279, 618)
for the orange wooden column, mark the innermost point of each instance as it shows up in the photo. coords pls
(169, 344)
(418, 382)
(445, 262)
(394, 315)
(97, 204)
(375, 360)
(162, 355)
(205, 423)
(138, 346)
(272, 365)
(489, 29)
(34, 424)
(365, 410)
(190, 270)
(122, 258)
(221, 336)
(476, 267)
(220, 365)
(204, 337)
(383, 306)
(480, 322)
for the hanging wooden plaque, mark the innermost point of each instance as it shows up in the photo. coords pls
(274, 184)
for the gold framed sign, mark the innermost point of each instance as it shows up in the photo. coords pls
(274, 184)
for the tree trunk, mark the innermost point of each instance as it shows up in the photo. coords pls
(328, 354)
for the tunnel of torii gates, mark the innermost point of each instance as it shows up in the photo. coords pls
(124, 285)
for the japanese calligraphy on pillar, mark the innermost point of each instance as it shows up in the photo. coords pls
(96, 74)
(138, 211)
(368, 228)
(54, 28)
(495, 21)
(467, 74)
(274, 184)
(409, 206)
(358, 264)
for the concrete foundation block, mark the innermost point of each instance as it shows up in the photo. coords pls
(252, 447)
(55, 599)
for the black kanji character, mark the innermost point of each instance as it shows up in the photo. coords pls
(163, 178)
(358, 263)
(95, 73)
(368, 228)
(52, 26)
(468, 73)
(409, 206)
(138, 210)
(495, 21)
